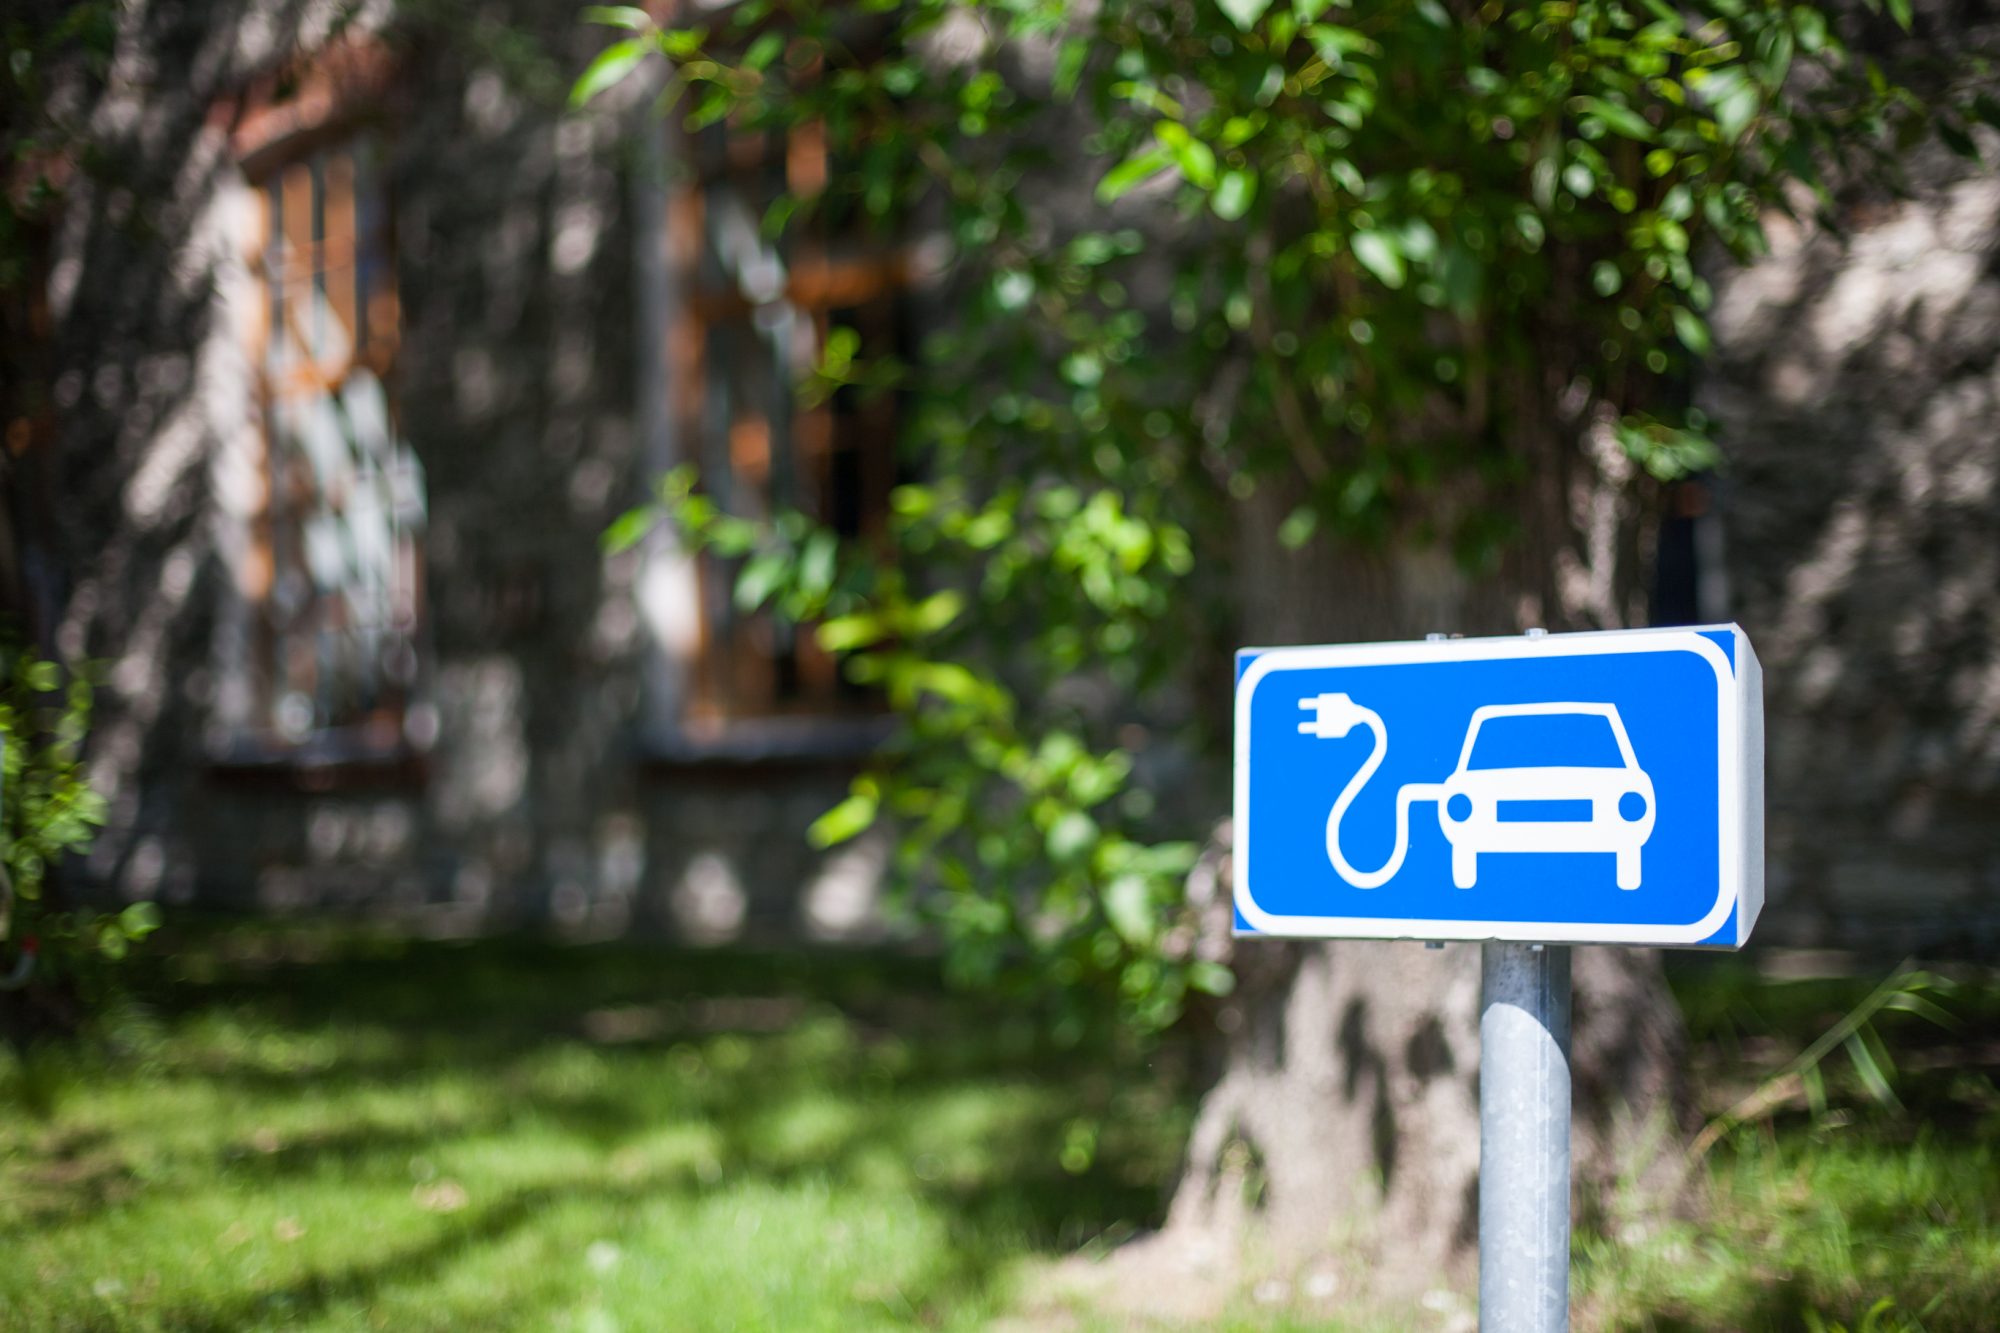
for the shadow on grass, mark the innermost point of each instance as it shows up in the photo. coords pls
(316, 1291)
(605, 1048)
(1857, 1213)
(650, 1078)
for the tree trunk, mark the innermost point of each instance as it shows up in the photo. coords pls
(1336, 1156)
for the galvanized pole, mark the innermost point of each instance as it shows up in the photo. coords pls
(1523, 1138)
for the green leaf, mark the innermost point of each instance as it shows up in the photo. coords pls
(1297, 529)
(768, 47)
(817, 562)
(847, 819)
(1956, 139)
(1128, 905)
(1071, 835)
(1691, 330)
(619, 16)
(1912, 1003)
(1379, 254)
(1871, 1073)
(844, 634)
(936, 612)
(629, 529)
(613, 63)
(1900, 11)
(1244, 13)
(1810, 25)
(759, 579)
(680, 43)
(1334, 44)
(1013, 289)
(1095, 782)
(1814, 1084)
(1124, 177)
(1542, 181)
(950, 681)
(1619, 118)
(725, 533)
(1194, 157)
(1070, 61)
(1167, 858)
(1211, 978)
(139, 920)
(1233, 194)
(1733, 98)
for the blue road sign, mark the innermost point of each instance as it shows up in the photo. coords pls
(1603, 788)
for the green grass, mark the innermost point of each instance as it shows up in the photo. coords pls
(316, 1128)
(1876, 1217)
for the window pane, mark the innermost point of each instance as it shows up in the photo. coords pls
(759, 308)
(346, 502)
(1546, 740)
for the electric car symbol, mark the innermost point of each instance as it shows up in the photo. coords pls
(1506, 795)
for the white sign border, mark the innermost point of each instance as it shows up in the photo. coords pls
(1729, 786)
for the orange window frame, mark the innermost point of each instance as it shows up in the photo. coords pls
(834, 459)
(332, 668)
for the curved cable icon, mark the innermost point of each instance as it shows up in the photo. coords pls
(1333, 716)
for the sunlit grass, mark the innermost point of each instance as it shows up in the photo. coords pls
(317, 1129)
(1875, 1217)
(319, 1132)
(1833, 1229)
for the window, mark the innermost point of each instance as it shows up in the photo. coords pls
(1572, 740)
(752, 316)
(329, 564)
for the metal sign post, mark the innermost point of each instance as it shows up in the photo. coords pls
(1529, 793)
(1523, 1138)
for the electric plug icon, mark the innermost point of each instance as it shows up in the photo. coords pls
(1333, 716)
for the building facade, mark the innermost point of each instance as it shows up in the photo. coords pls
(349, 372)
(358, 340)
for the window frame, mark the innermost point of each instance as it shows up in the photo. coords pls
(828, 282)
(294, 118)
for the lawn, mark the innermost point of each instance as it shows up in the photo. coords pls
(316, 1128)
(1866, 1216)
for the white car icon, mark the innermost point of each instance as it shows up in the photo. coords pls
(1598, 800)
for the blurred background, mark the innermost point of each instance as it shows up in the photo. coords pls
(618, 637)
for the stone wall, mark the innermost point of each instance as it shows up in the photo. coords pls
(1858, 387)
(524, 363)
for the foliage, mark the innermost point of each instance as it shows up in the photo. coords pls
(48, 811)
(1398, 260)
(54, 61)
(50, 55)
(1907, 990)
(41, 125)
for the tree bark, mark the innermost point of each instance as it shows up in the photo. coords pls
(1338, 1150)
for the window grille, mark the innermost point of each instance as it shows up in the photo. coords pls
(754, 314)
(336, 579)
